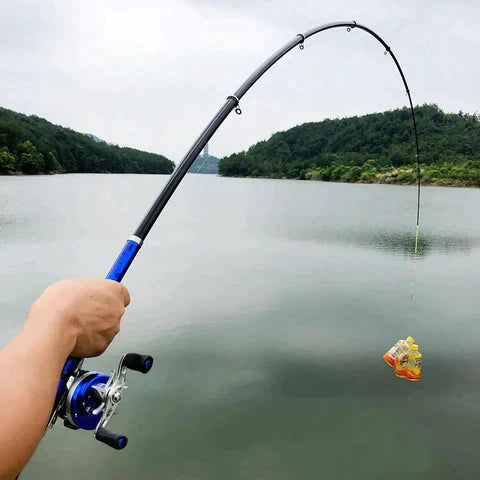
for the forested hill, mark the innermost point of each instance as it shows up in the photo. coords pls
(30, 144)
(374, 147)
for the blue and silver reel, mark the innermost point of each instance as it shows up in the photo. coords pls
(92, 398)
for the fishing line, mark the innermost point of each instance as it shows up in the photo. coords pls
(414, 137)
(201, 166)
(415, 252)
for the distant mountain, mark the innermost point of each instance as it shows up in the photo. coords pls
(205, 164)
(31, 144)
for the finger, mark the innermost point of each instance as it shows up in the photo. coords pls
(126, 296)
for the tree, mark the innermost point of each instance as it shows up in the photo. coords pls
(396, 157)
(51, 164)
(31, 161)
(7, 161)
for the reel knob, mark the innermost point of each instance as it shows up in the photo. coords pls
(114, 440)
(138, 362)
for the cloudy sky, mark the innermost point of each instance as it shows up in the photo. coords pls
(151, 73)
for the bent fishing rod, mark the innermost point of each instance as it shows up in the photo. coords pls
(86, 399)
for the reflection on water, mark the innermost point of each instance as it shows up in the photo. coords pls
(396, 242)
(268, 413)
(267, 316)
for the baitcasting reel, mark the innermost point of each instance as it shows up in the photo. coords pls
(90, 399)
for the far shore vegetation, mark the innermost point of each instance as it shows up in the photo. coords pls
(374, 148)
(32, 145)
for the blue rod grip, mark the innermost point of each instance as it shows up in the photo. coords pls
(117, 272)
(123, 261)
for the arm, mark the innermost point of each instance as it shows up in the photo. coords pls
(72, 317)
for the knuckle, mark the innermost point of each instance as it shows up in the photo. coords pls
(112, 286)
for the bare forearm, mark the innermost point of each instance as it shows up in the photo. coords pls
(78, 317)
(30, 367)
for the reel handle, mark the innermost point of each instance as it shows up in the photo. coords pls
(138, 362)
(114, 440)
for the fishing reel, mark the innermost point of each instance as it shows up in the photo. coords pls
(91, 399)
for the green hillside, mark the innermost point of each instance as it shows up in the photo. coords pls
(371, 148)
(30, 144)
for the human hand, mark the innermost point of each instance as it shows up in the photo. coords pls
(88, 311)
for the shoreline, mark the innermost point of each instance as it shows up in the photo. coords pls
(427, 183)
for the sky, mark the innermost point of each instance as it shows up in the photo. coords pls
(150, 74)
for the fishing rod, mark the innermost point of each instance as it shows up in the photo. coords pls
(87, 400)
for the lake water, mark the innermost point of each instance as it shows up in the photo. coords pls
(267, 305)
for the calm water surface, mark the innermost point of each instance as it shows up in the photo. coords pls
(267, 306)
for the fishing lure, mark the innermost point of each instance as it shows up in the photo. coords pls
(406, 359)
(87, 400)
